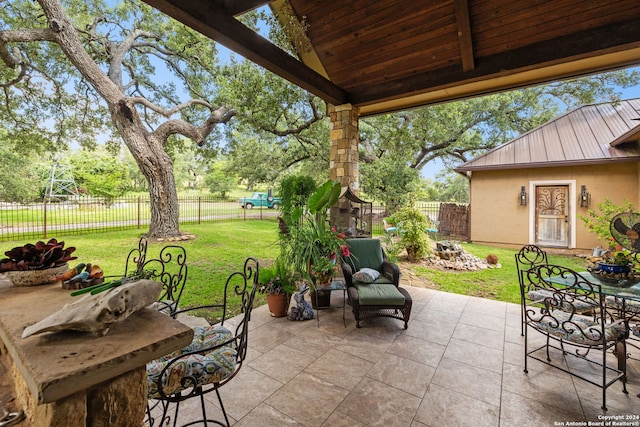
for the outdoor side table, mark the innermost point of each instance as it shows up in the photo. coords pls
(336, 285)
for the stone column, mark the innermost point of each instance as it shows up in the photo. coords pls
(343, 157)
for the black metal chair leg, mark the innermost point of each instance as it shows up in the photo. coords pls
(224, 412)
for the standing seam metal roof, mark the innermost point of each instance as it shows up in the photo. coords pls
(595, 133)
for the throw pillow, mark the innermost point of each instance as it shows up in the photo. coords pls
(366, 275)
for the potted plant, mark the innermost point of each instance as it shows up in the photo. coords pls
(31, 264)
(278, 283)
(617, 262)
(312, 246)
(412, 228)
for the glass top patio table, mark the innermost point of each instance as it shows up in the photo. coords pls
(620, 291)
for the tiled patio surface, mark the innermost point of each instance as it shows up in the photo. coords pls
(460, 363)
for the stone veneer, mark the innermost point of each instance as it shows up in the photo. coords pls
(344, 145)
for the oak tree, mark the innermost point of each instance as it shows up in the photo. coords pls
(81, 71)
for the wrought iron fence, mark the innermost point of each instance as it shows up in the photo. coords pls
(84, 215)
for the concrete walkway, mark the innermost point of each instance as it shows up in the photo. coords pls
(460, 363)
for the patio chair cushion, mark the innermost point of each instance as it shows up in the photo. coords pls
(576, 304)
(366, 253)
(629, 306)
(579, 329)
(379, 294)
(203, 368)
(167, 307)
(366, 275)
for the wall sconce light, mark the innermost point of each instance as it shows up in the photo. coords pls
(522, 197)
(585, 197)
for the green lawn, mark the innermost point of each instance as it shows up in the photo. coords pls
(221, 248)
(496, 283)
(218, 250)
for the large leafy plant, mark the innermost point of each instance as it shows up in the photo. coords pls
(311, 240)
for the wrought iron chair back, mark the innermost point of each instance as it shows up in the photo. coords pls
(527, 257)
(571, 312)
(170, 268)
(136, 258)
(214, 357)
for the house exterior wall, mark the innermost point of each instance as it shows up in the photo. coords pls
(498, 218)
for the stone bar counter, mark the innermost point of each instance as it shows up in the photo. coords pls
(71, 378)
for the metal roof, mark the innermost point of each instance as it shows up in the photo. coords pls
(596, 133)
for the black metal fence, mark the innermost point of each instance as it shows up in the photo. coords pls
(84, 215)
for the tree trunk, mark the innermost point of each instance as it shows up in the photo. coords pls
(157, 167)
(163, 196)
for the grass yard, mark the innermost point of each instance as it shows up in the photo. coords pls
(497, 283)
(221, 248)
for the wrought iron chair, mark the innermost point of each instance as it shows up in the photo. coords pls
(136, 258)
(170, 268)
(381, 296)
(528, 256)
(213, 358)
(554, 297)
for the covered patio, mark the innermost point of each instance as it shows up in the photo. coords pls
(459, 363)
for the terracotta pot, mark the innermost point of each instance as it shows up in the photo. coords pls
(278, 304)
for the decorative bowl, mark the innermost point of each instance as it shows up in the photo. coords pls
(620, 280)
(35, 277)
(614, 268)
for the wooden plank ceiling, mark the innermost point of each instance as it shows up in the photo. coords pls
(386, 55)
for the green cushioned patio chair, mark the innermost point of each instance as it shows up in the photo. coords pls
(373, 283)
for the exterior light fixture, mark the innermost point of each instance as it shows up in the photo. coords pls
(585, 197)
(522, 197)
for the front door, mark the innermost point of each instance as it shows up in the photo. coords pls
(552, 215)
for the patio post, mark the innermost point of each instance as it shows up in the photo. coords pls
(343, 157)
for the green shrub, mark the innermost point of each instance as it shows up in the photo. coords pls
(598, 223)
(412, 227)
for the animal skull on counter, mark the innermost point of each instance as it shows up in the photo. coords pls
(96, 313)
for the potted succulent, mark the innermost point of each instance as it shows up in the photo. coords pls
(31, 264)
(278, 283)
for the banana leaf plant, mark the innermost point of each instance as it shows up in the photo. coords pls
(40, 256)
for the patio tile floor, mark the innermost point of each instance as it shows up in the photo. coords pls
(460, 363)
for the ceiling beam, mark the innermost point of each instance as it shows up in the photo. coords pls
(592, 43)
(238, 7)
(214, 22)
(464, 34)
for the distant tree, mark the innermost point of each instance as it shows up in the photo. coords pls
(454, 132)
(448, 187)
(20, 180)
(87, 67)
(219, 181)
(391, 181)
(100, 173)
(279, 128)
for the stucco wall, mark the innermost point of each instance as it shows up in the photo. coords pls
(497, 218)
